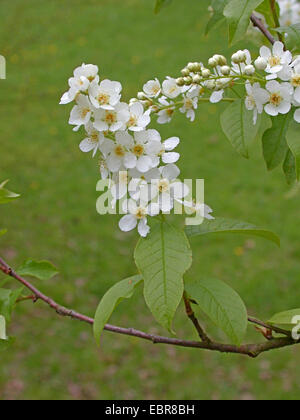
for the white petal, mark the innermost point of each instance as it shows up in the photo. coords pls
(278, 48)
(179, 189)
(130, 160)
(170, 157)
(144, 163)
(143, 228)
(171, 143)
(271, 110)
(297, 94)
(170, 172)
(284, 107)
(216, 96)
(113, 163)
(87, 145)
(127, 223)
(297, 115)
(265, 52)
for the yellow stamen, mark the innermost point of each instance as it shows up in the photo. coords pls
(276, 99)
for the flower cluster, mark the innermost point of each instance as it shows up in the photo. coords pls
(271, 81)
(140, 166)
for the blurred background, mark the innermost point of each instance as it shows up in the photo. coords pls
(53, 358)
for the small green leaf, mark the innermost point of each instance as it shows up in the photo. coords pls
(161, 3)
(274, 141)
(218, 9)
(237, 124)
(293, 140)
(222, 305)
(3, 232)
(162, 258)
(112, 298)
(286, 320)
(42, 270)
(238, 13)
(289, 168)
(7, 196)
(221, 225)
(293, 35)
(8, 299)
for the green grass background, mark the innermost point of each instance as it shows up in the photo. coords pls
(55, 358)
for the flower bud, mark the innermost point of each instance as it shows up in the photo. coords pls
(190, 66)
(205, 73)
(141, 96)
(235, 58)
(249, 70)
(188, 80)
(212, 62)
(185, 72)
(210, 84)
(197, 67)
(222, 60)
(261, 63)
(180, 81)
(225, 70)
(197, 79)
(242, 56)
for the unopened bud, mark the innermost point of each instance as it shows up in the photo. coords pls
(212, 62)
(225, 70)
(185, 72)
(261, 63)
(197, 79)
(188, 80)
(190, 66)
(210, 84)
(180, 81)
(249, 70)
(141, 96)
(205, 73)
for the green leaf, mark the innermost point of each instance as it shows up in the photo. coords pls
(265, 10)
(293, 140)
(8, 299)
(42, 270)
(286, 320)
(222, 305)
(161, 3)
(274, 141)
(289, 167)
(221, 225)
(218, 9)
(7, 196)
(237, 124)
(162, 258)
(293, 35)
(238, 13)
(112, 298)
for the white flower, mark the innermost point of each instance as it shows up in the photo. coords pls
(276, 58)
(170, 88)
(116, 151)
(106, 95)
(83, 76)
(81, 113)
(164, 150)
(137, 216)
(199, 208)
(217, 96)
(140, 155)
(280, 97)
(152, 88)
(289, 12)
(297, 115)
(112, 120)
(138, 118)
(190, 103)
(295, 80)
(256, 99)
(165, 115)
(93, 140)
(165, 188)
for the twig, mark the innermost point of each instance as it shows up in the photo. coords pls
(251, 350)
(269, 327)
(259, 24)
(190, 313)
